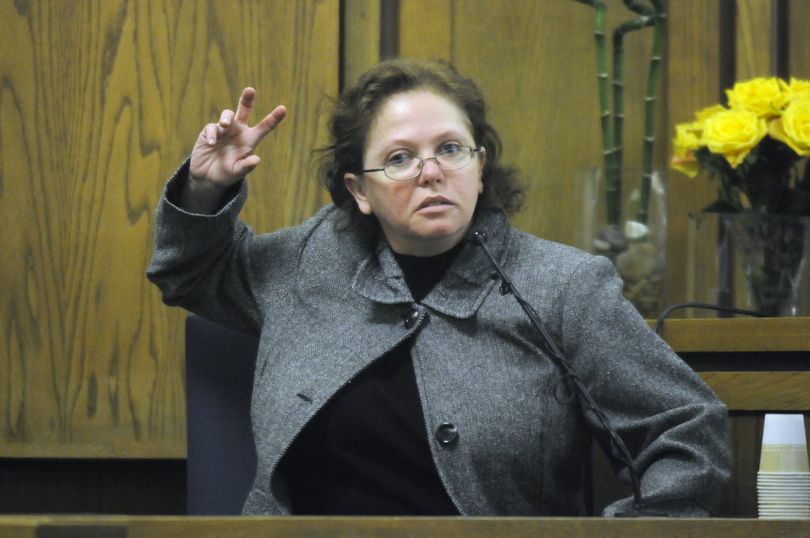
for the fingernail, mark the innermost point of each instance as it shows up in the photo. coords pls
(210, 141)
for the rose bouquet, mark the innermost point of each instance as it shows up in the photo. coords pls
(757, 148)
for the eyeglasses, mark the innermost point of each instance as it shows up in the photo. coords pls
(404, 166)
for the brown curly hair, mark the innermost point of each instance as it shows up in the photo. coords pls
(358, 105)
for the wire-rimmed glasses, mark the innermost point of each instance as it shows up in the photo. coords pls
(403, 166)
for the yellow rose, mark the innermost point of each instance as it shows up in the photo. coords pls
(799, 89)
(686, 141)
(733, 134)
(766, 97)
(793, 128)
(708, 112)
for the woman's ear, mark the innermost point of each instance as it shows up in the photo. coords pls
(354, 185)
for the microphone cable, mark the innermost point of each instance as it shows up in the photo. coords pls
(707, 306)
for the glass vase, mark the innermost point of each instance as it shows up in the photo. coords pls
(751, 261)
(629, 226)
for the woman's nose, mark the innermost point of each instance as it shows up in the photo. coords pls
(430, 171)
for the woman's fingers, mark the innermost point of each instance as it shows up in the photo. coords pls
(224, 150)
(246, 101)
(214, 131)
(270, 121)
(226, 118)
(243, 167)
(209, 132)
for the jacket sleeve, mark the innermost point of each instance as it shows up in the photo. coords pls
(674, 426)
(214, 265)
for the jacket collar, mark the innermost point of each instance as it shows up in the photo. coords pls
(462, 290)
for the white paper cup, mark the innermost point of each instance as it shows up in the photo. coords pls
(781, 429)
(784, 444)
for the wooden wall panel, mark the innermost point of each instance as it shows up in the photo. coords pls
(426, 28)
(361, 38)
(799, 37)
(754, 36)
(693, 82)
(540, 83)
(99, 103)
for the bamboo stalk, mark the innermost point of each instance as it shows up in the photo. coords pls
(608, 147)
(659, 6)
(613, 124)
(647, 19)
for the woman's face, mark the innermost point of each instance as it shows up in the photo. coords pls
(431, 213)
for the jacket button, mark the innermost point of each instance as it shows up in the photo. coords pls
(447, 433)
(412, 318)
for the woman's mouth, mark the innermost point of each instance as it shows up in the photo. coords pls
(434, 204)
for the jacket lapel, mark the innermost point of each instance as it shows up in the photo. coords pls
(460, 293)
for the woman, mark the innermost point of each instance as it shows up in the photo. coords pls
(392, 376)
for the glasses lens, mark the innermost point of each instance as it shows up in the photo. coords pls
(448, 161)
(455, 159)
(403, 169)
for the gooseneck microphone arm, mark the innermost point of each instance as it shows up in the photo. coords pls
(548, 345)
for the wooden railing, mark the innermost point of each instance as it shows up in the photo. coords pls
(752, 364)
(738, 334)
(395, 527)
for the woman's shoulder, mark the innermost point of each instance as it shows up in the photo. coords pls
(299, 234)
(325, 240)
(329, 229)
(550, 268)
(549, 255)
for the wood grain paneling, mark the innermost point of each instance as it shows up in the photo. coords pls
(542, 103)
(100, 101)
(361, 38)
(426, 28)
(692, 84)
(799, 38)
(761, 391)
(754, 36)
(753, 335)
(396, 527)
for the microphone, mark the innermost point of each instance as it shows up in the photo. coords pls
(548, 345)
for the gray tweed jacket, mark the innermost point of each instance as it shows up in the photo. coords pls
(327, 303)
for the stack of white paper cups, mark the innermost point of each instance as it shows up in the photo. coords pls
(783, 481)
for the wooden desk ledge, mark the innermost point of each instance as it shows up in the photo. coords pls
(761, 391)
(392, 527)
(737, 334)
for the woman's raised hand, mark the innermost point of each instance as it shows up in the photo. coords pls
(224, 154)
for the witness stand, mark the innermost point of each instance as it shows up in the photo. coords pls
(394, 527)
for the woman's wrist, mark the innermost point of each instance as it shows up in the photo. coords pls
(200, 195)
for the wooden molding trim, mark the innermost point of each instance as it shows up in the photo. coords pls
(738, 334)
(761, 391)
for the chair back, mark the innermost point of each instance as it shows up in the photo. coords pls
(221, 461)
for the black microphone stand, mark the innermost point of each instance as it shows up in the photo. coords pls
(618, 448)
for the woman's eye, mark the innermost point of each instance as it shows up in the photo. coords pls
(399, 159)
(450, 148)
